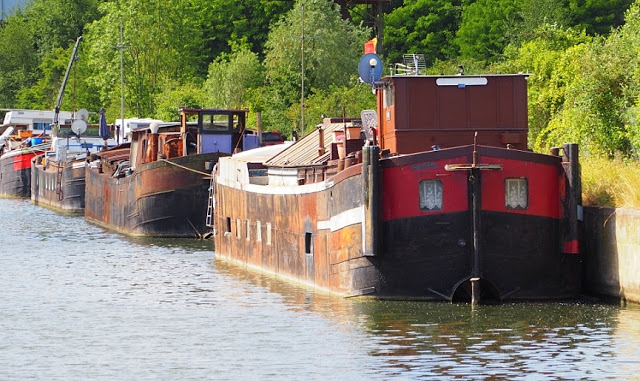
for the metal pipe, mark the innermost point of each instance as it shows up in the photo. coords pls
(475, 290)
(259, 127)
(321, 148)
(153, 148)
(475, 272)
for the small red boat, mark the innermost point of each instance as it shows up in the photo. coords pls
(16, 152)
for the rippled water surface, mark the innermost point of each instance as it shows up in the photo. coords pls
(82, 303)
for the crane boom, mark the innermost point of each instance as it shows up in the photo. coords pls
(74, 56)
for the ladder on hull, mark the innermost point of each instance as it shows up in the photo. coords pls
(59, 168)
(211, 205)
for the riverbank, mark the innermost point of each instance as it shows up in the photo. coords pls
(612, 253)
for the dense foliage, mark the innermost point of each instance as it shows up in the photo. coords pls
(582, 56)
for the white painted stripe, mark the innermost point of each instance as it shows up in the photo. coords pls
(466, 81)
(276, 189)
(344, 219)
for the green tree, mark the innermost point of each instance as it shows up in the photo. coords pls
(587, 93)
(226, 23)
(533, 15)
(422, 26)
(484, 28)
(162, 43)
(631, 39)
(332, 48)
(598, 16)
(230, 75)
(42, 95)
(58, 23)
(548, 58)
(37, 41)
(19, 59)
(338, 101)
(174, 96)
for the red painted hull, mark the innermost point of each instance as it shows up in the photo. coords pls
(15, 173)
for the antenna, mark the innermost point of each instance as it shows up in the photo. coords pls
(302, 38)
(121, 46)
(302, 68)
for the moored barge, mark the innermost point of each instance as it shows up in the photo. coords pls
(157, 185)
(438, 199)
(58, 175)
(21, 139)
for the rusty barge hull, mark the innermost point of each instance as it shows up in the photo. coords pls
(324, 235)
(58, 185)
(165, 198)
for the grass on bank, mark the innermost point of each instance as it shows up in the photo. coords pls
(610, 183)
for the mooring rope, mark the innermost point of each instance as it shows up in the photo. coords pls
(187, 168)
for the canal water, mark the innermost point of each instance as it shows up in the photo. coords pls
(82, 303)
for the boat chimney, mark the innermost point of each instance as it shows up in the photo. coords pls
(152, 152)
(321, 148)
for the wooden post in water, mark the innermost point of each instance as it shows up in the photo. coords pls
(371, 196)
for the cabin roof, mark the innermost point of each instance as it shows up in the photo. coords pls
(261, 154)
(393, 76)
(213, 110)
(305, 151)
(117, 153)
(164, 125)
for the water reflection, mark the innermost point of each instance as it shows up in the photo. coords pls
(577, 340)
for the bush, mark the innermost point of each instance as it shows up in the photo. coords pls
(610, 182)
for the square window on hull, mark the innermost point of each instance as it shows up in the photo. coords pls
(430, 194)
(516, 194)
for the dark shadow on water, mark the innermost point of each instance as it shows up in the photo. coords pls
(187, 243)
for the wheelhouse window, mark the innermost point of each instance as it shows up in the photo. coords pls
(216, 122)
(516, 193)
(388, 96)
(42, 126)
(430, 194)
